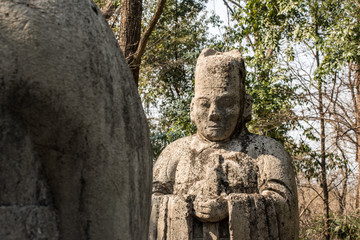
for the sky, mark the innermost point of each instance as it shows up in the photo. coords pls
(220, 9)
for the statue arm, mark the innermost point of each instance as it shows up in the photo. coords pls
(277, 183)
(276, 173)
(165, 166)
(164, 172)
(164, 203)
(163, 183)
(274, 209)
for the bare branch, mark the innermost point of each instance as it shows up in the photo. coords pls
(318, 194)
(235, 3)
(250, 42)
(228, 7)
(269, 53)
(309, 203)
(116, 15)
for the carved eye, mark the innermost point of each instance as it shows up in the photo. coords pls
(226, 102)
(203, 103)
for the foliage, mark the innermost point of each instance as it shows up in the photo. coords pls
(341, 227)
(274, 32)
(167, 70)
(269, 33)
(281, 76)
(346, 227)
(341, 36)
(258, 30)
(177, 114)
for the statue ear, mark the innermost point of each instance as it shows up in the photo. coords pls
(247, 108)
(192, 114)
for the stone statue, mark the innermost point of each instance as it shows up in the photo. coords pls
(223, 182)
(75, 154)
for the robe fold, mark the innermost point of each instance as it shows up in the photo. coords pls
(254, 174)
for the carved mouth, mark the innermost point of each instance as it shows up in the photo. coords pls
(214, 127)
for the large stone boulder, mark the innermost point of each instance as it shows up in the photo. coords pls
(75, 159)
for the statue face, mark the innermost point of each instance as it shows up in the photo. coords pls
(216, 109)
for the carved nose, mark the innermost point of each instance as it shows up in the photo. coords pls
(214, 114)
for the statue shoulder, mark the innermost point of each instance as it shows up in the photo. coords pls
(174, 151)
(274, 164)
(165, 165)
(261, 145)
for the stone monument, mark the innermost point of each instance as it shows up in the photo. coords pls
(223, 182)
(75, 155)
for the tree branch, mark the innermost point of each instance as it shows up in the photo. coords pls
(228, 7)
(318, 194)
(108, 10)
(250, 42)
(235, 3)
(148, 30)
(358, 3)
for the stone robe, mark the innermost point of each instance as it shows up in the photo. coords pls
(254, 174)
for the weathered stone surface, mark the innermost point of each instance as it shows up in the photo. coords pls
(28, 222)
(75, 158)
(227, 182)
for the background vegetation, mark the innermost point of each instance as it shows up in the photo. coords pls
(303, 64)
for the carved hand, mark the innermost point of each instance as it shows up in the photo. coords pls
(211, 210)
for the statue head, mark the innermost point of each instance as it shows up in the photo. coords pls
(218, 105)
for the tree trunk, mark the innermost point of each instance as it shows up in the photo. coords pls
(130, 32)
(323, 154)
(345, 174)
(342, 198)
(357, 130)
(323, 163)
